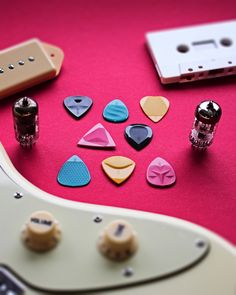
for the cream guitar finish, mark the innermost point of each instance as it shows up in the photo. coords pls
(53, 246)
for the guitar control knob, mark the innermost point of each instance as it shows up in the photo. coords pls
(118, 241)
(41, 232)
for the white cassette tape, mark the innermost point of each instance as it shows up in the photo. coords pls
(194, 53)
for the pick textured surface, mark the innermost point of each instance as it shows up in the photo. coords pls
(74, 173)
(118, 168)
(78, 106)
(160, 173)
(155, 107)
(98, 137)
(116, 111)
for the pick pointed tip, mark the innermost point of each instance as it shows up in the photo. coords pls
(118, 180)
(155, 118)
(74, 158)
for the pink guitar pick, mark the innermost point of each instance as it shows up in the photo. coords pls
(160, 173)
(98, 137)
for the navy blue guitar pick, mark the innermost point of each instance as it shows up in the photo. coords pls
(138, 135)
(78, 105)
(74, 173)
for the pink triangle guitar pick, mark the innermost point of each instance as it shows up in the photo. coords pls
(160, 173)
(98, 137)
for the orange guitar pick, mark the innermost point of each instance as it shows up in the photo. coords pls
(118, 168)
(155, 107)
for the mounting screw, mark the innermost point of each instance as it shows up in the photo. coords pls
(21, 62)
(1, 71)
(11, 292)
(11, 67)
(97, 219)
(18, 195)
(200, 243)
(128, 272)
(3, 287)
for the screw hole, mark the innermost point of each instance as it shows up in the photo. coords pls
(128, 272)
(78, 100)
(190, 69)
(97, 219)
(18, 195)
(200, 67)
(52, 54)
(200, 243)
(226, 42)
(230, 62)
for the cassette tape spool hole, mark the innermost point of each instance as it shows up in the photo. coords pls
(183, 48)
(226, 42)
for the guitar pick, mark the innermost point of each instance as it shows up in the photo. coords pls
(155, 107)
(98, 137)
(116, 111)
(160, 173)
(118, 168)
(78, 105)
(138, 135)
(74, 173)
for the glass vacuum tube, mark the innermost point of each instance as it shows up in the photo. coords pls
(25, 116)
(207, 115)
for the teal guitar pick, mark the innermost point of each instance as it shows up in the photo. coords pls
(74, 173)
(116, 111)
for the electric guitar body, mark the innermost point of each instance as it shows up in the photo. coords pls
(53, 246)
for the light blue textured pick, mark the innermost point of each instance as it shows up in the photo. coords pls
(74, 173)
(116, 111)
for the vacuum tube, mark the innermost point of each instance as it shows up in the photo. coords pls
(25, 116)
(207, 115)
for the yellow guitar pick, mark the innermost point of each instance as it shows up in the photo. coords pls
(118, 168)
(155, 107)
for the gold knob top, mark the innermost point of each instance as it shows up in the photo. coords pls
(118, 241)
(41, 232)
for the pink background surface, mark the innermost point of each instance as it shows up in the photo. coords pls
(106, 58)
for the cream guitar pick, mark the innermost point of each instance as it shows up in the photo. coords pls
(118, 168)
(155, 107)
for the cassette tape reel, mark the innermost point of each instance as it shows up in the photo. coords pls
(194, 53)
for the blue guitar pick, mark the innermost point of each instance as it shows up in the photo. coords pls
(78, 105)
(116, 111)
(74, 173)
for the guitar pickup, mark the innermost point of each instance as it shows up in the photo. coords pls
(28, 64)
